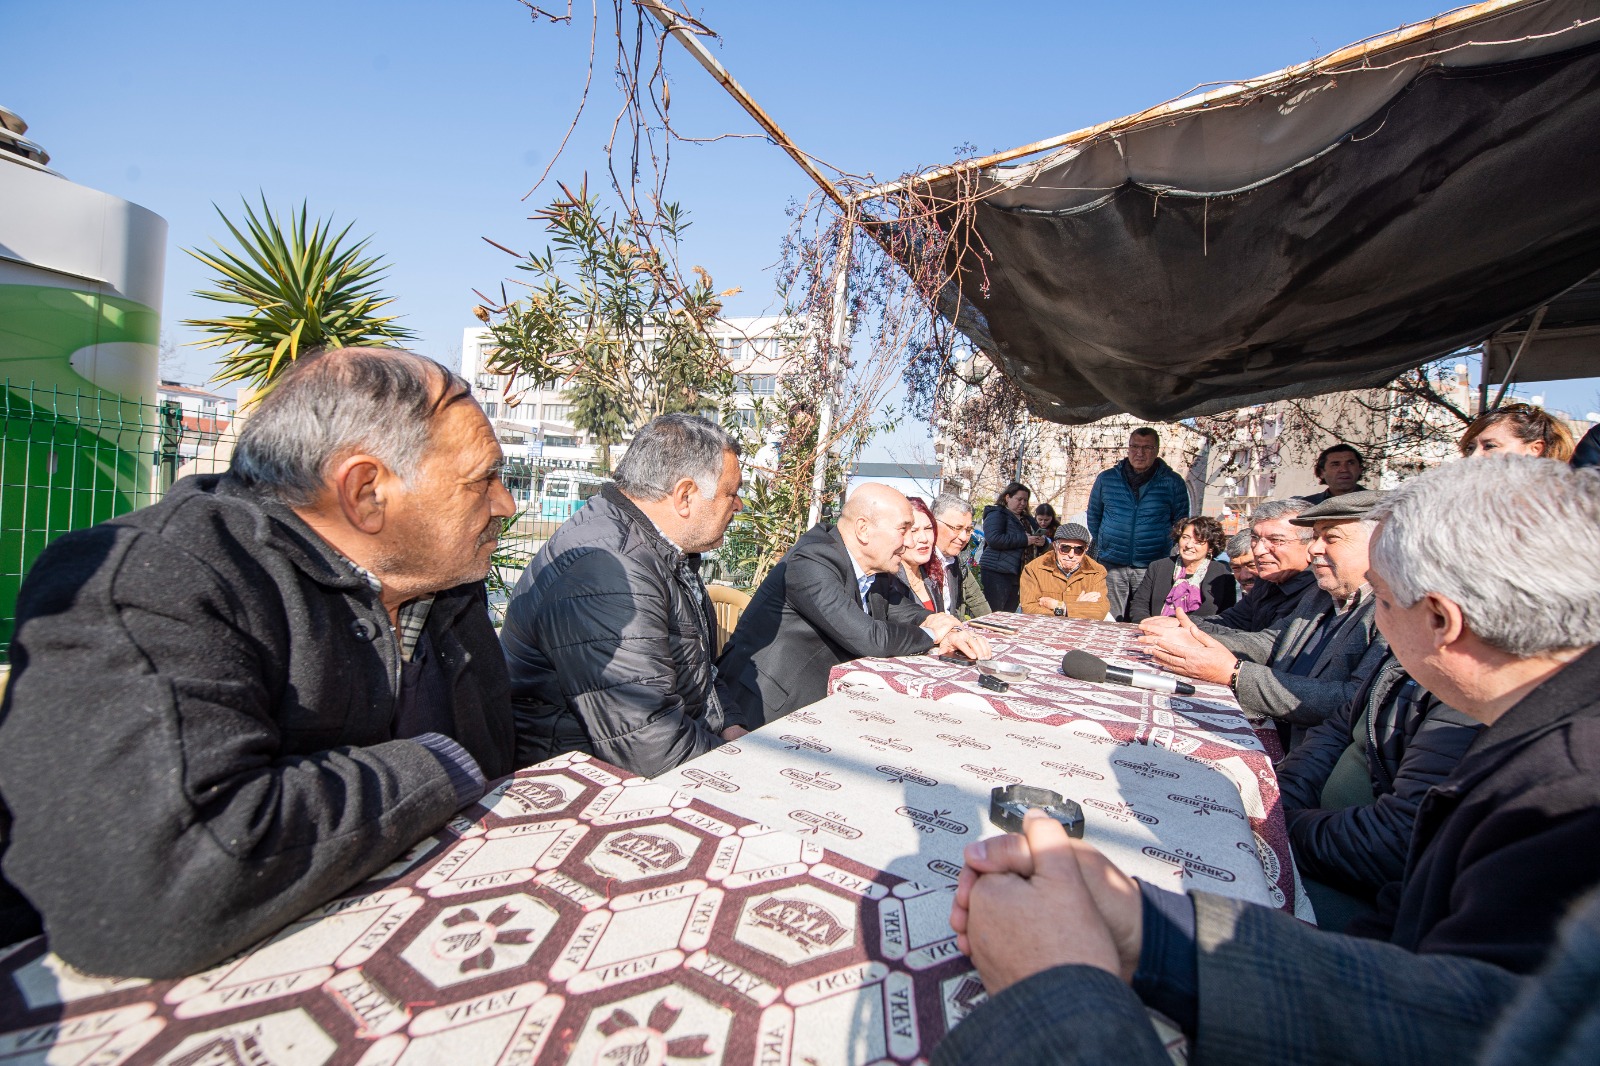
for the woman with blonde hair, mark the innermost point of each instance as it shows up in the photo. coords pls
(1517, 429)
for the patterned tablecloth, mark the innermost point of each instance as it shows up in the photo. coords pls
(1187, 741)
(574, 916)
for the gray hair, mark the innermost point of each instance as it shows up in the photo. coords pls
(328, 405)
(670, 448)
(1275, 509)
(1239, 544)
(950, 503)
(1514, 541)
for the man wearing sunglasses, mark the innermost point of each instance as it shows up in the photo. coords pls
(1065, 582)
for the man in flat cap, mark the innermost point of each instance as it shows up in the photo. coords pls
(1064, 581)
(1304, 668)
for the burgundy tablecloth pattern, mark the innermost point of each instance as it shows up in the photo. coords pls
(1205, 728)
(574, 917)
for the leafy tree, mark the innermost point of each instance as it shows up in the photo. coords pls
(609, 314)
(303, 288)
(597, 411)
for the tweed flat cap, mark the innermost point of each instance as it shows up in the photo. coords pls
(1073, 531)
(1344, 508)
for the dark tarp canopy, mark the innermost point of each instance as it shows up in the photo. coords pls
(1319, 229)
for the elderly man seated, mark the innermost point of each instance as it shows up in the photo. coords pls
(1242, 563)
(609, 635)
(1351, 788)
(1502, 851)
(1064, 581)
(1304, 668)
(829, 601)
(233, 705)
(1280, 563)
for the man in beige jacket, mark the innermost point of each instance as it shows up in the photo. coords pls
(1064, 581)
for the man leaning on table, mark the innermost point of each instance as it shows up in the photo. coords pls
(1309, 665)
(829, 601)
(1502, 852)
(1064, 581)
(229, 707)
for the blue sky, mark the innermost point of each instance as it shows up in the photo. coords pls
(426, 122)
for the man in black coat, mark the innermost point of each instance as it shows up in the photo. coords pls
(609, 636)
(829, 601)
(1281, 553)
(231, 706)
(1502, 850)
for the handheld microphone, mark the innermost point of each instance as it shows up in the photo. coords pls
(1081, 666)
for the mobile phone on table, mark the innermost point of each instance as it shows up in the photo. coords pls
(959, 660)
(993, 684)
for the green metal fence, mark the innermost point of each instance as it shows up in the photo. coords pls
(71, 459)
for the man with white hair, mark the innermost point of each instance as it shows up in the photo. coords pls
(233, 705)
(952, 521)
(1503, 848)
(609, 636)
(830, 601)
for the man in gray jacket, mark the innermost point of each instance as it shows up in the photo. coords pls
(1306, 667)
(609, 636)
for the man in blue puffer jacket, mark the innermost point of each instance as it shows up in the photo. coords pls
(1132, 510)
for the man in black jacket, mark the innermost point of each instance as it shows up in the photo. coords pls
(609, 636)
(1281, 553)
(1350, 789)
(1501, 852)
(829, 601)
(233, 705)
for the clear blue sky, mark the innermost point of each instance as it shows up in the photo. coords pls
(426, 122)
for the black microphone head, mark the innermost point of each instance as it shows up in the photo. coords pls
(1081, 666)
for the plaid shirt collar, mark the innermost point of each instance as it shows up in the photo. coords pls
(411, 617)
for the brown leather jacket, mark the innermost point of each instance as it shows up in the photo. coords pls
(1043, 577)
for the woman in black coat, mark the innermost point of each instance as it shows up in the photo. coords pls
(1193, 580)
(1008, 531)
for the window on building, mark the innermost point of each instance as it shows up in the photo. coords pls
(553, 440)
(491, 409)
(743, 417)
(757, 384)
(558, 412)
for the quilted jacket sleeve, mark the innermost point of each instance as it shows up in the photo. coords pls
(605, 622)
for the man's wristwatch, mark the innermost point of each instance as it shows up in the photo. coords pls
(1061, 610)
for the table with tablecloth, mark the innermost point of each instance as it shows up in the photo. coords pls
(575, 915)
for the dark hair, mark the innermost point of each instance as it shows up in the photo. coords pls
(1147, 431)
(1207, 529)
(1334, 449)
(1528, 424)
(1049, 511)
(1011, 490)
(932, 571)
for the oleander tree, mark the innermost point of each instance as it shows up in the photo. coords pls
(295, 285)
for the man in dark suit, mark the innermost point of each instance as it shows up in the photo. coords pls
(829, 601)
(963, 592)
(1502, 849)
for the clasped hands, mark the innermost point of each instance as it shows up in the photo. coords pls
(951, 636)
(1186, 649)
(1027, 902)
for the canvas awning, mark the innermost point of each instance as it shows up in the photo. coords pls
(1322, 228)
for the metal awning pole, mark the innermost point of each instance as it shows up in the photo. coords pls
(1533, 327)
(838, 335)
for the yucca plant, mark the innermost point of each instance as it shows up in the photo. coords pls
(303, 289)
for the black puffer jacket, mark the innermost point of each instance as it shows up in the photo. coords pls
(1410, 742)
(1005, 540)
(608, 638)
